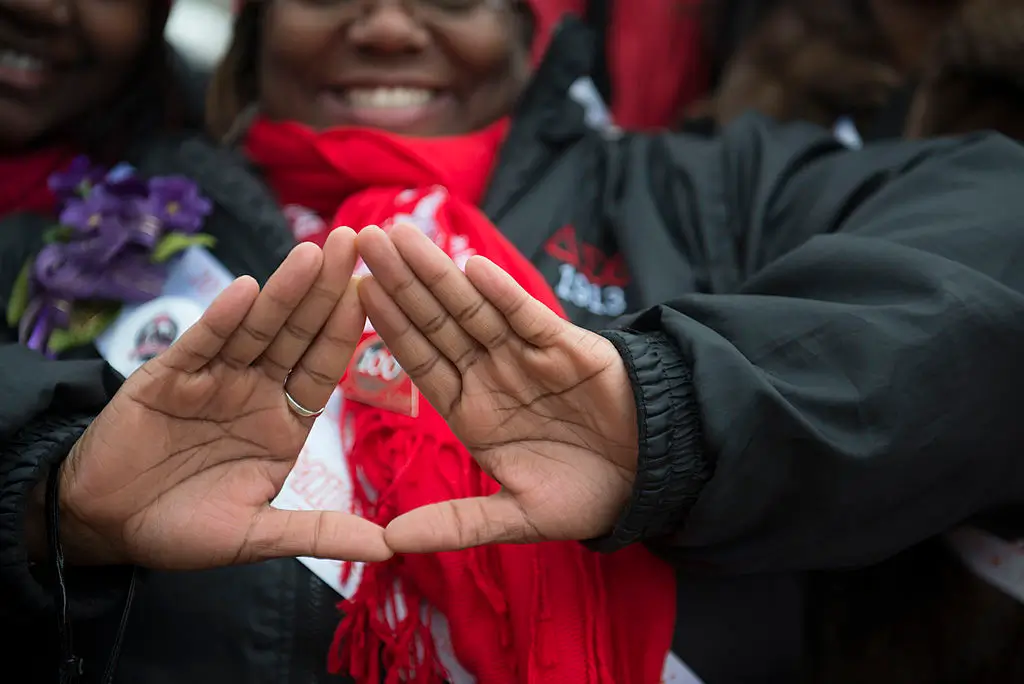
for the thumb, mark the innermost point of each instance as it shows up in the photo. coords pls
(277, 533)
(461, 524)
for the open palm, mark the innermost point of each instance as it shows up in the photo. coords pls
(178, 470)
(544, 407)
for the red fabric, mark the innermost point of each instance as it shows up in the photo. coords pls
(656, 60)
(23, 180)
(551, 612)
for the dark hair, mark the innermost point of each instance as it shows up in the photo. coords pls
(975, 78)
(148, 100)
(235, 83)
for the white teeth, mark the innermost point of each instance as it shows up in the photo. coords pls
(389, 97)
(10, 59)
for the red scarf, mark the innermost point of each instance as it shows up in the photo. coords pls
(528, 614)
(23, 180)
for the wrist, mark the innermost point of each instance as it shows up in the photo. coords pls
(80, 543)
(671, 465)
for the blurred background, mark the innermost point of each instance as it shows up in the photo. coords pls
(200, 29)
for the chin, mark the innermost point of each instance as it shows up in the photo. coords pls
(16, 136)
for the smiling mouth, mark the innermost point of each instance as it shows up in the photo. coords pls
(399, 109)
(22, 71)
(388, 98)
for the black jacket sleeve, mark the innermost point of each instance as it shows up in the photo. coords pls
(855, 389)
(45, 407)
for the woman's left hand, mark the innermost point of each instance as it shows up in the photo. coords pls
(546, 408)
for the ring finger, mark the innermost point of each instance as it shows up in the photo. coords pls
(306, 321)
(319, 370)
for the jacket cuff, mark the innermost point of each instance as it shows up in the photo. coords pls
(672, 467)
(25, 460)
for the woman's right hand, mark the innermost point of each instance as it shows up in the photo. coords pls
(179, 470)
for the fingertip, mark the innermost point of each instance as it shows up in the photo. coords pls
(241, 288)
(406, 234)
(367, 236)
(340, 235)
(304, 256)
(380, 554)
(403, 227)
(398, 540)
(478, 261)
(370, 536)
(304, 248)
(344, 230)
(480, 270)
(246, 282)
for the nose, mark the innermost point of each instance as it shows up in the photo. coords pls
(40, 12)
(388, 27)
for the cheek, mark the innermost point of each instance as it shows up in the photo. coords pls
(117, 34)
(494, 68)
(291, 50)
(486, 49)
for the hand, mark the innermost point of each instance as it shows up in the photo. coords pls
(546, 408)
(178, 470)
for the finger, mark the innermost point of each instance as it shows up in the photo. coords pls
(434, 375)
(451, 287)
(306, 321)
(461, 524)
(277, 533)
(282, 293)
(529, 318)
(414, 297)
(204, 340)
(320, 369)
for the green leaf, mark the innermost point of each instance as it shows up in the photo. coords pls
(174, 243)
(88, 320)
(58, 234)
(18, 302)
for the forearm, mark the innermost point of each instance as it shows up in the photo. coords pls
(837, 433)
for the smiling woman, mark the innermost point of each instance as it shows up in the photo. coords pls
(448, 68)
(62, 60)
(77, 76)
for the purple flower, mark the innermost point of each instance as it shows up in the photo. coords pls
(77, 180)
(176, 203)
(116, 221)
(87, 215)
(119, 219)
(126, 187)
(84, 269)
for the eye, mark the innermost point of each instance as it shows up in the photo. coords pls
(328, 3)
(453, 6)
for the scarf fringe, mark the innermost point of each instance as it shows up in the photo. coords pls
(384, 626)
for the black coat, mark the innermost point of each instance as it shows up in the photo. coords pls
(823, 344)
